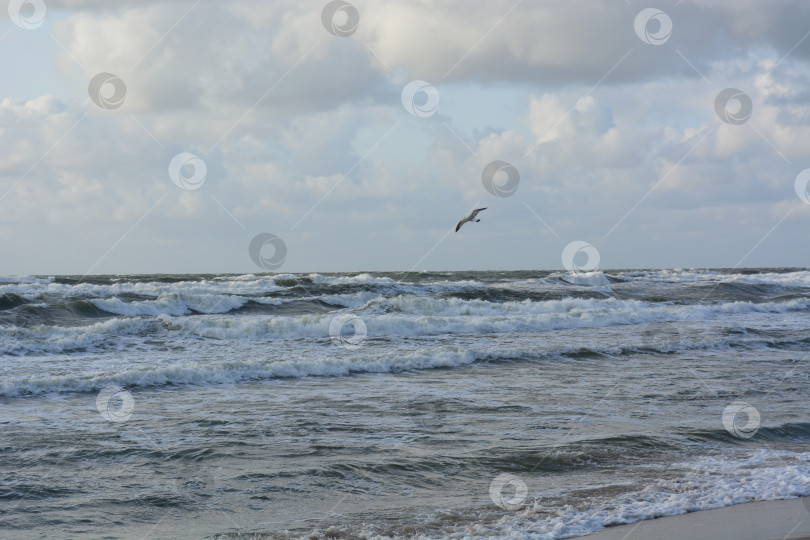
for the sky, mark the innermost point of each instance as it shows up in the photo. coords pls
(182, 136)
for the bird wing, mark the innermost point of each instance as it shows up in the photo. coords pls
(460, 223)
(475, 212)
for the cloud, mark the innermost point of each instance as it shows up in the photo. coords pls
(304, 135)
(572, 41)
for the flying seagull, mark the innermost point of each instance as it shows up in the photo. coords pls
(471, 217)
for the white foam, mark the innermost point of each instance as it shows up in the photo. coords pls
(420, 316)
(26, 279)
(275, 355)
(169, 305)
(584, 279)
(350, 280)
(711, 482)
(248, 284)
(406, 315)
(798, 278)
(43, 339)
(242, 277)
(350, 300)
(172, 304)
(145, 288)
(790, 279)
(230, 371)
(256, 285)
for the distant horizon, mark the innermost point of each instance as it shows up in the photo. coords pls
(561, 270)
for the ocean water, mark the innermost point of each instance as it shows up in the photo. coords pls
(536, 405)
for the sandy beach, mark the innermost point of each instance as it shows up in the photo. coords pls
(765, 520)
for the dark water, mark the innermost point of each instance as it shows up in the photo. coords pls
(481, 404)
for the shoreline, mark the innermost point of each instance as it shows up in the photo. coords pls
(786, 519)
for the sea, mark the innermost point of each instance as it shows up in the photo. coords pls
(524, 404)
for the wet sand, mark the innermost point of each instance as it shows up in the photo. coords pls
(767, 520)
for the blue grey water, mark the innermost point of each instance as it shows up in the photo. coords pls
(435, 405)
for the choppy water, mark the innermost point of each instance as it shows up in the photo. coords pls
(396, 404)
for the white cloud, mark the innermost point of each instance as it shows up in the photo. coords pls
(285, 114)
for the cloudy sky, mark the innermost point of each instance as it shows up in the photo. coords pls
(163, 136)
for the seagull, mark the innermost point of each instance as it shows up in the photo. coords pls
(471, 217)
